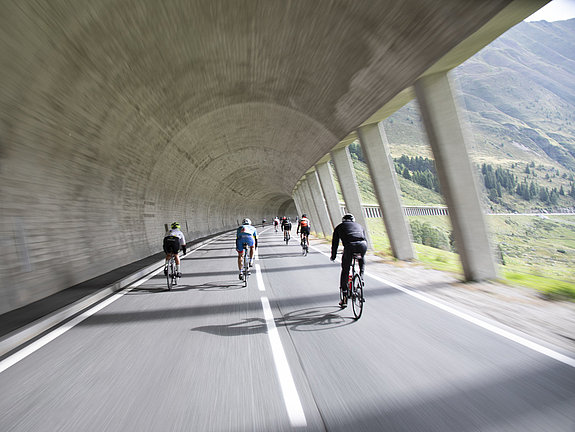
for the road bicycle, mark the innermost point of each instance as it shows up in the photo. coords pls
(172, 273)
(287, 236)
(354, 290)
(246, 265)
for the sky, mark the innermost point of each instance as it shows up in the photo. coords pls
(556, 10)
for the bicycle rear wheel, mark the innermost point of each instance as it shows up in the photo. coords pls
(170, 275)
(246, 268)
(357, 296)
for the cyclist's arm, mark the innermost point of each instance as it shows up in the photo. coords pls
(334, 244)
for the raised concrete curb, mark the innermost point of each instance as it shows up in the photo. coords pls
(27, 333)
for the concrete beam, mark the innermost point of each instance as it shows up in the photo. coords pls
(348, 183)
(329, 192)
(382, 171)
(320, 205)
(444, 129)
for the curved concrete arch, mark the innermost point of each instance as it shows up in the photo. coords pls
(120, 116)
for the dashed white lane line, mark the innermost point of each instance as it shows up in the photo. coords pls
(490, 327)
(287, 383)
(259, 278)
(289, 390)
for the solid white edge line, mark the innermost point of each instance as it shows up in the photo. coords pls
(289, 390)
(49, 337)
(490, 327)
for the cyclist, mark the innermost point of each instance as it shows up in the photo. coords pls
(354, 241)
(286, 228)
(173, 241)
(264, 222)
(303, 227)
(276, 223)
(246, 234)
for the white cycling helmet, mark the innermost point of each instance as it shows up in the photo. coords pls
(246, 221)
(348, 217)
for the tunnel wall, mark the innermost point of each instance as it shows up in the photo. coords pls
(118, 117)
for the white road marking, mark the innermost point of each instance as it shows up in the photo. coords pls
(49, 337)
(490, 327)
(289, 390)
(259, 278)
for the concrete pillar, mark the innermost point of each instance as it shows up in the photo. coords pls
(458, 183)
(329, 192)
(382, 171)
(297, 200)
(320, 206)
(311, 212)
(348, 183)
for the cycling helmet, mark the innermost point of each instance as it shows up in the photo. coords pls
(303, 215)
(246, 221)
(175, 225)
(348, 217)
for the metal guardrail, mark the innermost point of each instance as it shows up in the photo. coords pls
(373, 211)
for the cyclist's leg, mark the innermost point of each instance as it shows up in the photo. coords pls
(240, 251)
(345, 265)
(361, 261)
(252, 253)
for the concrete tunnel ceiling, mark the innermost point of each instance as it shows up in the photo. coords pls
(120, 116)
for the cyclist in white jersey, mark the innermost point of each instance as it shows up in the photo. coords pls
(173, 241)
(246, 234)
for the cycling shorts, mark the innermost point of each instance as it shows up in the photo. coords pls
(240, 241)
(171, 245)
(304, 230)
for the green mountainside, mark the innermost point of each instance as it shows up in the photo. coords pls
(518, 97)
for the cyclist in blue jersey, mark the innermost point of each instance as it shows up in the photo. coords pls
(246, 234)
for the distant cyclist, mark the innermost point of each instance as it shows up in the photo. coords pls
(264, 222)
(353, 237)
(173, 241)
(286, 228)
(246, 234)
(276, 223)
(303, 228)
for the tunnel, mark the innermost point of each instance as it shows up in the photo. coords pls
(119, 117)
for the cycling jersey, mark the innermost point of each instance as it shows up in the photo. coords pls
(173, 240)
(176, 233)
(246, 234)
(304, 223)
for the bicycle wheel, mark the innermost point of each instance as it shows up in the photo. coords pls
(174, 274)
(246, 268)
(169, 275)
(357, 296)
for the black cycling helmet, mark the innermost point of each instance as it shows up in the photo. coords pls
(304, 215)
(348, 217)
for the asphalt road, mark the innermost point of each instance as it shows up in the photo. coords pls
(211, 356)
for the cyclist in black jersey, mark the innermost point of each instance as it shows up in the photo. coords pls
(286, 228)
(354, 240)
